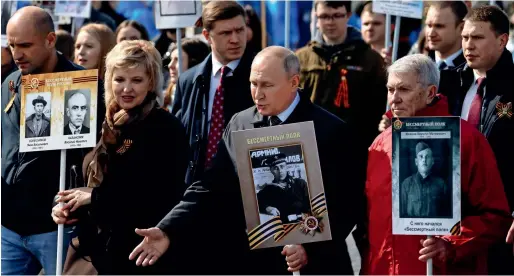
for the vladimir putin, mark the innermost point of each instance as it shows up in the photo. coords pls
(76, 111)
(424, 195)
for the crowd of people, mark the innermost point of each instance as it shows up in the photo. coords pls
(159, 193)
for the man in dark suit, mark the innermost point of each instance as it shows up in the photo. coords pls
(76, 112)
(37, 124)
(443, 26)
(274, 87)
(210, 93)
(483, 94)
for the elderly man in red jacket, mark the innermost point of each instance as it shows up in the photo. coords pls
(412, 87)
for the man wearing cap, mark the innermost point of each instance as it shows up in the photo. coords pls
(423, 195)
(37, 124)
(285, 196)
(274, 83)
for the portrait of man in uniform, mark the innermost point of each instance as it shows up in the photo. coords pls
(37, 124)
(423, 194)
(286, 196)
(76, 111)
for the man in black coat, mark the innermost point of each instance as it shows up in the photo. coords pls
(196, 91)
(30, 180)
(274, 87)
(482, 92)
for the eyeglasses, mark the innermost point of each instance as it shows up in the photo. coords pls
(335, 16)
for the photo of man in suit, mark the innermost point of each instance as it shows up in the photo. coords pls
(285, 196)
(76, 109)
(37, 124)
(424, 195)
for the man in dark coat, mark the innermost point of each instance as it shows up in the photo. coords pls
(196, 92)
(274, 80)
(482, 93)
(285, 196)
(37, 124)
(30, 180)
(443, 26)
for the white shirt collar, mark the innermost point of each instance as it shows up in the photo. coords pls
(476, 76)
(216, 65)
(448, 60)
(286, 113)
(73, 128)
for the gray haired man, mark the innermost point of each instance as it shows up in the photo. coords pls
(412, 91)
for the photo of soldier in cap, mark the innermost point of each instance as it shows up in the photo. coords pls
(37, 122)
(424, 194)
(285, 196)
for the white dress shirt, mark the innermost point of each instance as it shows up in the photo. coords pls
(448, 60)
(466, 105)
(215, 80)
(286, 113)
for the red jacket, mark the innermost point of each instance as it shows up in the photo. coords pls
(485, 211)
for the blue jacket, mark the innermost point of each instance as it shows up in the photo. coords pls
(191, 102)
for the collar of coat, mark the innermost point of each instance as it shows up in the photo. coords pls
(298, 114)
(501, 72)
(205, 67)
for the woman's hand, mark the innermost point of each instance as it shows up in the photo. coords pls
(60, 215)
(75, 198)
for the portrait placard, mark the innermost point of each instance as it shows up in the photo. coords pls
(177, 14)
(281, 185)
(58, 111)
(404, 8)
(76, 8)
(426, 176)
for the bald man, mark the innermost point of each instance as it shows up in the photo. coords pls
(274, 88)
(76, 111)
(29, 180)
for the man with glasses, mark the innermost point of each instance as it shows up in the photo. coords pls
(341, 73)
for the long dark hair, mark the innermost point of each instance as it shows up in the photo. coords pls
(136, 25)
(196, 51)
(255, 24)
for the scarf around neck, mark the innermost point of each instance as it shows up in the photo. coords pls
(116, 122)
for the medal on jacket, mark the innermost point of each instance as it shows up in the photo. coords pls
(342, 91)
(126, 145)
(504, 109)
(13, 96)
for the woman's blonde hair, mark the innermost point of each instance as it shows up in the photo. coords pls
(105, 37)
(131, 54)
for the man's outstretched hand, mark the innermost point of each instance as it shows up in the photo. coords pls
(153, 246)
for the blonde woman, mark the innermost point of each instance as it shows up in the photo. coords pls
(93, 43)
(135, 175)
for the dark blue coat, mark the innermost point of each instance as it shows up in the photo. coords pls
(191, 101)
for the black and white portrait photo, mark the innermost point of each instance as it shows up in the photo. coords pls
(37, 115)
(77, 114)
(426, 183)
(280, 183)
